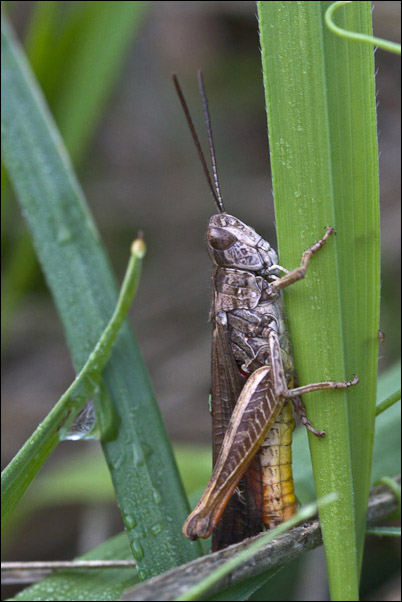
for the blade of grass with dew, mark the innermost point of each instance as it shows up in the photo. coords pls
(78, 273)
(76, 53)
(322, 129)
(20, 472)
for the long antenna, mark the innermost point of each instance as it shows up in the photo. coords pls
(210, 138)
(215, 193)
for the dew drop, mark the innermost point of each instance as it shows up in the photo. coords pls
(129, 521)
(157, 528)
(157, 496)
(137, 549)
(83, 427)
(63, 235)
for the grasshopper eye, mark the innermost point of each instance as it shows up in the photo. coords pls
(220, 239)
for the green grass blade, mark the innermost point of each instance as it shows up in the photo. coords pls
(23, 468)
(388, 402)
(384, 531)
(87, 46)
(140, 459)
(387, 442)
(322, 129)
(76, 50)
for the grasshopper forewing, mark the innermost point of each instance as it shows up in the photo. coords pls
(252, 377)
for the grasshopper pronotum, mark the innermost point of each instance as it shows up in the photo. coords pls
(252, 376)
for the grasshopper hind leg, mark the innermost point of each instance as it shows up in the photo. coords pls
(300, 409)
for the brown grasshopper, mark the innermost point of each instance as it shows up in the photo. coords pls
(252, 376)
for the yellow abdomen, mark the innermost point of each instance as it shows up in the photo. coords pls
(279, 501)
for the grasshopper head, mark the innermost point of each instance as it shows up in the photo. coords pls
(232, 244)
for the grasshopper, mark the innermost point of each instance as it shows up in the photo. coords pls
(253, 376)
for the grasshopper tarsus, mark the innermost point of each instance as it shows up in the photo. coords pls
(300, 409)
(309, 427)
(317, 246)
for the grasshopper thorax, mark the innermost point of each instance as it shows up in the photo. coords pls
(233, 244)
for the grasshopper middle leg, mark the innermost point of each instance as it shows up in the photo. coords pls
(281, 388)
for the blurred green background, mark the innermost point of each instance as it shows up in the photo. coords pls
(105, 68)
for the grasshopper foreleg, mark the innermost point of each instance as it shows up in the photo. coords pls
(300, 272)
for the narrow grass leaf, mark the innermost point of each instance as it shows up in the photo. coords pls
(322, 129)
(81, 584)
(23, 468)
(140, 459)
(77, 54)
